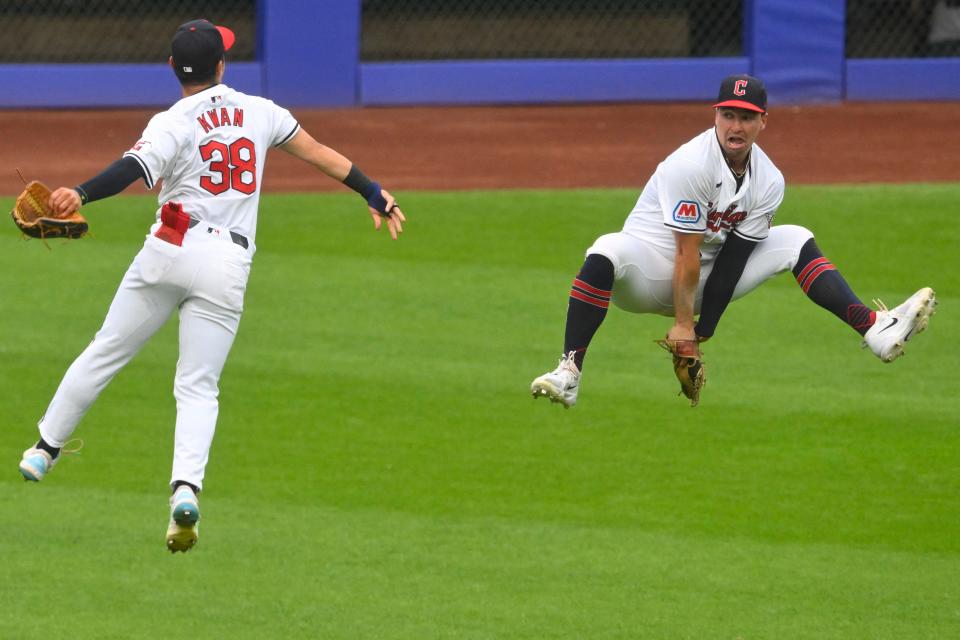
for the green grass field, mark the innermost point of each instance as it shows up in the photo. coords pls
(380, 470)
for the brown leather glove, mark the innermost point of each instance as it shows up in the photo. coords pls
(687, 366)
(33, 215)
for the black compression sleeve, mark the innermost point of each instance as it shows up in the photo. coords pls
(367, 188)
(722, 281)
(360, 183)
(111, 181)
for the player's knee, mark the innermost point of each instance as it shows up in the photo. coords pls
(597, 270)
(793, 235)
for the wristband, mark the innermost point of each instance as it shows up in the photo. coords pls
(367, 188)
(378, 202)
(360, 183)
(83, 194)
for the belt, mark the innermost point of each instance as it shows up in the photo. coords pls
(236, 237)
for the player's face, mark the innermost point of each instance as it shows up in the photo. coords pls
(737, 129)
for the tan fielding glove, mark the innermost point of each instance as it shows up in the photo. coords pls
(688, 367)
(33, 215)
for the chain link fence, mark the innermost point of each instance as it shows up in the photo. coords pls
(84, 31)
(113, 30)
(903, 28)
(394, 30)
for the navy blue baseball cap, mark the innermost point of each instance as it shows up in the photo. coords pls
(742, 92)
(198, 46)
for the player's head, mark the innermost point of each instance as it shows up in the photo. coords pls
(197, 51)
(741, 113)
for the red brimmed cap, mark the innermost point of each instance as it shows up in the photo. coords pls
(198, 46)
(742, 92)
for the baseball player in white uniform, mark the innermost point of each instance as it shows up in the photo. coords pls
(700, 236)
(209, 150)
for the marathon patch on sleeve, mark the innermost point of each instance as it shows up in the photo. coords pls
(686, 212)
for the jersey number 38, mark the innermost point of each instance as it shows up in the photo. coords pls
(231, 165)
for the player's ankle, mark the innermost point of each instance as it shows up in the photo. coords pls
(52, 450)
(176, 484)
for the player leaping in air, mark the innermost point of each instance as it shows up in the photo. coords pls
(209, 148)
(700, 236)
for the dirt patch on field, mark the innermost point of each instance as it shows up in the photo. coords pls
(450, 148)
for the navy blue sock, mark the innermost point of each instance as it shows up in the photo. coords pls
(177, 483)
(823, 284)
(589, 299)
(53, 451)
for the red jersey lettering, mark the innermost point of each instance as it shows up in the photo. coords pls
(220, 118)
(203, 123)
(717, 221)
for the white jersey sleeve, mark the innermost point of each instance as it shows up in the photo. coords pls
(158, 147)
(683, 188)
(285, 126)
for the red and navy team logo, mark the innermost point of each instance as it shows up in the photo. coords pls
(687, 212)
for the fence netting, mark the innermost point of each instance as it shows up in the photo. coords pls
(113, 30)
(903, 28)
(52, 31)
(497, 29)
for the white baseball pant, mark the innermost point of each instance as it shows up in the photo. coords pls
(643, 272)
(206, 279)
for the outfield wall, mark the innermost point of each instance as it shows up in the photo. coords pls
(309, 56)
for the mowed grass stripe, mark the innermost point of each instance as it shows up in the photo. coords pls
(380, 573)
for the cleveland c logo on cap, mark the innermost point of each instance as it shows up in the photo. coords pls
(740, 88)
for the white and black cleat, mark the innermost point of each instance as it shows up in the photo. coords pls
(894, 327)
(560, 385)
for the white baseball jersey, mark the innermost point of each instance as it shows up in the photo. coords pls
(693, 191)
(209, 149)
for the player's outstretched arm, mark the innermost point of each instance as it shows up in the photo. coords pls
(380, 203)
(686, 277)
(109, 182)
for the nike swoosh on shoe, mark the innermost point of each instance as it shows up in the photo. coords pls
(893, 322)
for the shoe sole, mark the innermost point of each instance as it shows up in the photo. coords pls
(181, 538)
(542, 388)
(183, 532)
(926, 308)
(29, 475)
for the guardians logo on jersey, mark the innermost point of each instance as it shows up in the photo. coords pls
(730, 218)
(686, 212)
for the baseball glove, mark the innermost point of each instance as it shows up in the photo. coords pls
(688, 367)
(33, 215)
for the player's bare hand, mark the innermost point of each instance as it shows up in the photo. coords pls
(394, 216)
(64, 201)
(681, 332)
